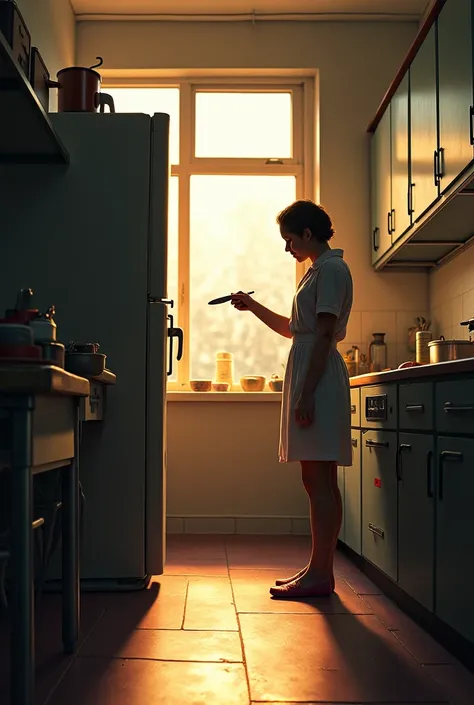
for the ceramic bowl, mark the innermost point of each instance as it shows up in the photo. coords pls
(220, 387)
(253, 383)
(276, 385)
(201, 385)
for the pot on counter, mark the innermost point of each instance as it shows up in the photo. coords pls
(443, 350)
(79, 90)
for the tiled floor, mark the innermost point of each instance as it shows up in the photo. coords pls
(208, 633)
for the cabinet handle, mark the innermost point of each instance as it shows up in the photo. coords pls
(354, 442)
(440, 163)
(374, 239)
(471, 124)
(393, 221)
(435, 167)
(376, 444)
(429, 474)
(389, 222)
(399, 465)
(410, 199)
(353, 408)
(415, 407)
(375, 530)
(456, 408)
(445, 455)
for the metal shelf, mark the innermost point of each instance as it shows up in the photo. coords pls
(26, 133)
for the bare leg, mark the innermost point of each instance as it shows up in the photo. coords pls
(320, 481)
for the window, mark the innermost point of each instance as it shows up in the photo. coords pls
(237, 158)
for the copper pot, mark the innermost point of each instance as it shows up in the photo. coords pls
(79, 90)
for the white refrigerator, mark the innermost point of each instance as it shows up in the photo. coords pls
(91, 238)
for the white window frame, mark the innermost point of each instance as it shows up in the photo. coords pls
(301, 166)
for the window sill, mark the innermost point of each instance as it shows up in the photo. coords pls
(224, 396)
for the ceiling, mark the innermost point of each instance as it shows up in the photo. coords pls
(394, 9)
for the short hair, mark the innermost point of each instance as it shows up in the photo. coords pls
(306, 214)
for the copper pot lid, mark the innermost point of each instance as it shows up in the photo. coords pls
(89, 69)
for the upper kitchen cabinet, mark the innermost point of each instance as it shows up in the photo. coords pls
(400, 168)
(381, 191)
(455, 89)
(423, 128)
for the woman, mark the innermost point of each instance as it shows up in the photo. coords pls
(315, 427)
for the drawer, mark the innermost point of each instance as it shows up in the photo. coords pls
(92, 407)
(455, 406)
(379, 407)
(352, 496)
(379, 500)
(415, 407)
(355, 407)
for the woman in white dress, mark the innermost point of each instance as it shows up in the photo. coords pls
(315, 427)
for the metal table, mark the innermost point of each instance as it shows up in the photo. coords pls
(41, 404)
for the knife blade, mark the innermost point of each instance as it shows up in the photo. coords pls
(225, 299)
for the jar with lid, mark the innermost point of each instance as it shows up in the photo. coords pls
(378, 353)
(225, 367)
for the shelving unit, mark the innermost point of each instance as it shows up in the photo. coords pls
(26, 134)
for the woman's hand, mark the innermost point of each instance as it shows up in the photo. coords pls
(304, 410)
(242, 301)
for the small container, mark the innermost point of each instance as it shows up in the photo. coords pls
(220, 386)
(423, 337)
(363, 364)
(201, 385)
(378, 353)
(225, 368)
(253, 383)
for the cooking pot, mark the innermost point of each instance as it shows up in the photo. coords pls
(79, 90)
(445, 350)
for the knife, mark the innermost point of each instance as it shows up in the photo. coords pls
(225, 299)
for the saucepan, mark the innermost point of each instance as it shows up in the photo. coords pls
(79, 90)
(445, 350)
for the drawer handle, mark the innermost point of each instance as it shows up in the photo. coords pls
(377, 444)
(353, 408)
(415, 407)
(450, 407)
(375, 530)
(446, 455)
(354, 442)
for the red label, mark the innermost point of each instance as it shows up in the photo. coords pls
(377, 482)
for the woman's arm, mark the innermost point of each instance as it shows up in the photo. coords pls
(277, 323)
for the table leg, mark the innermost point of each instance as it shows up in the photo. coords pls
(21, 557)
(70, 547)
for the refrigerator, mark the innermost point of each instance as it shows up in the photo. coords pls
(91, 238)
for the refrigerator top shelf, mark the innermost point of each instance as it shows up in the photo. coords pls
(26, 135)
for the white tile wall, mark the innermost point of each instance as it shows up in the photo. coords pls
(451, 293)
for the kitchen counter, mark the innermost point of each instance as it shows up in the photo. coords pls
(107, 377)
(41, 379)
(441, 369)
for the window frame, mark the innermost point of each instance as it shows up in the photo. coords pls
(301, 166)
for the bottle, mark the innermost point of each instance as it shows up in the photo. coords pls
(225, 368)
(378, 353)
(363, 364)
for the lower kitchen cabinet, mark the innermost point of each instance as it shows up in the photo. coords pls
(454, 534)
(379, 500)
(416, 516)
(352, 497)
(341, 485)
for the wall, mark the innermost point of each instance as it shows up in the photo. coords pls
(452, 296)
(52, 28)
(222, 457)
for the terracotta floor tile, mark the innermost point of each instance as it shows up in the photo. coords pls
(251, 591)
(267, 552)
(210, 605)
(457, 683)
(388, 612)
(135, 682)
(165, 645)
(359, 582)
(196, 555)
(330, 658)
(423, 647)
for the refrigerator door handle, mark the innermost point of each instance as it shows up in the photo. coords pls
(160, 300)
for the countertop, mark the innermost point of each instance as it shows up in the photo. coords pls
(441, 369)
(41, 379)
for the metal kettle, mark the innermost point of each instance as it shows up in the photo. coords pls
(79, 90)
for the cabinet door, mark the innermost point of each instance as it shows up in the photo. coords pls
(455, 68)
(352, 496)
(381, 187)
(341, 485)
(416, 516)
(401, 218)
(423, 126)
(454, 532)
(379, 500)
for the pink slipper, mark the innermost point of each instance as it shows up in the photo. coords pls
(295, 591)
(285, 581)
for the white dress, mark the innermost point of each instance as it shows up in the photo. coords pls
(325, 288)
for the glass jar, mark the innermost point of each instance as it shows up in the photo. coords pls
(224, 368)
(378, 353)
